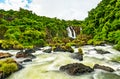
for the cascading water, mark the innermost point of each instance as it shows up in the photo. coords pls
(46, 66)
(71, 32)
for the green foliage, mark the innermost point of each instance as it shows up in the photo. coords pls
(116, 58)
(27, 29)
(81, 39)
(117, 46)
(68, 48)
(80, 51)
(103, 23)
(8, 66)
(8, 44)
(95, 42)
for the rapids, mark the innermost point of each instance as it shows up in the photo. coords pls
(46, 65)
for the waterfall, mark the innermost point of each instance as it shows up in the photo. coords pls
(71, 32)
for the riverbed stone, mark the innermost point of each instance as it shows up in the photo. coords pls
(30, 51)
(23, 54)
(5, 55)
(76, 69)
(106, 68)
(100, 51)
(77, 56)
(63, 48)
(49, 50)
(1, 74)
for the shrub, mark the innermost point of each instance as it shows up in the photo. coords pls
(95, 42)
(8, 44)
(8, 66)
(80, 51)
(117, 46)
(116, 58)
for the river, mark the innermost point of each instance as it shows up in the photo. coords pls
(46, 65)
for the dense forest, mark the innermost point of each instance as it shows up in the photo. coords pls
(25, 29)
(103, 22)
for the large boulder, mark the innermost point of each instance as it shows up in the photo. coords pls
(76, 69)
(106, 68)
(5, 55)
(100, 51)
(23, 54)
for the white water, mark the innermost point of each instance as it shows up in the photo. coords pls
(71, 32)
(46, 66)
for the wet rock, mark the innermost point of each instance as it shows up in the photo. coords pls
(58, 48)
(49, 50)
(30, 51)
(5, 55)
(100, 51)
(77, 56)
(63, 49)
(118, 69)
(27, 60)
(76, 69)
(22, 54)
(37, 48)
(1, 75)
(106, 68)
(19, 66)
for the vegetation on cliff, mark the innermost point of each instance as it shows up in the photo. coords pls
(24, 29)
(103, 22)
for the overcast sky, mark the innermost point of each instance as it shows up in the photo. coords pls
(63, 9)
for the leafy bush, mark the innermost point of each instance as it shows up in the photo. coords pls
(117, 46)
(95, 42)
(116, 58)
(80, 51)
(8, 44)
(8, 66)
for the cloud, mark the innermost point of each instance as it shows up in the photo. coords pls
(63, 9)
(13, 4)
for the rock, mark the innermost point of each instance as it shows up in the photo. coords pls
(19, 66)
(76, 69)
(27, 60)
(22, 54)
(37, 48)
(106, 68)
(77, 56)
(1, 75)
(30, 51)
(5, 55)
(63, 49)
(100, 51)
(58, 48)
(47, 50)
(118, 69)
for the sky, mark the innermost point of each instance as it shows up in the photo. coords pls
(62, 9)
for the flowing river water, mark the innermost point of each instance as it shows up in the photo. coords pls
(46, 65)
